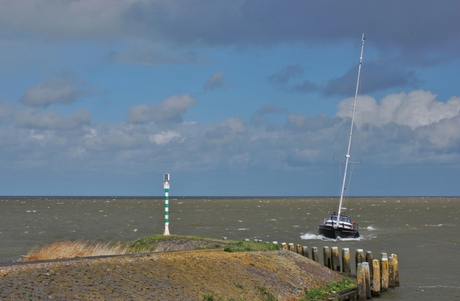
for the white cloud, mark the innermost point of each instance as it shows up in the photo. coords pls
(38, 137)
(140, 114)
(116, 139)
(78, 152)
(36, 119)
(295, 145)
(416, 109)
(51, 91)
(296, 119)
(444, 134)
(216, 81)
(236, 125)
(164, 137)
(169, 110)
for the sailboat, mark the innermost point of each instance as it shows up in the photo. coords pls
(339, 225)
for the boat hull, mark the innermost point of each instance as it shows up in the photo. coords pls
(331, 232)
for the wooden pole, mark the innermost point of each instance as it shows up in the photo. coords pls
(284, 246)
(299, 249)
(396, 267)
(327, 256)
(359, 257)
(335, 259)
(384, 271)
(361, 280)
(291, 246)
(305, 251)
(391, 272)
(365, 266)
(369, 259)
(314, 254)
(346, 260)
(376, 278)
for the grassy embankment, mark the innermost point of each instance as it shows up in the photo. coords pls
(160, 243)
(155, 243)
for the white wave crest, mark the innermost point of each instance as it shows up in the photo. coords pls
(310, 236)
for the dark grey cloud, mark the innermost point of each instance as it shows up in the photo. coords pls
(286, 79)
(283, 76)
(305, 86)
(374, 78)
(412, 26)
(148, 56)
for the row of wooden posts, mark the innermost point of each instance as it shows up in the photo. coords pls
(373, 276)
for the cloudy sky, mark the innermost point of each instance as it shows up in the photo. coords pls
(232, 98)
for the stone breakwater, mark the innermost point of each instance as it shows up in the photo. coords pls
(188, 275)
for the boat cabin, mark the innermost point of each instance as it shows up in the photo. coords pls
(343, 218)
(345, 221)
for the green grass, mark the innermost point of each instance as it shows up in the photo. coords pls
(208, 297)
(69, 249)
(245, 246)
(331, 290)
(267, 296)
(148, 244)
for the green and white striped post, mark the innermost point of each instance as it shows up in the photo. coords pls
(166, 187)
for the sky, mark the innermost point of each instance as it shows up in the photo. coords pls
(232, 98)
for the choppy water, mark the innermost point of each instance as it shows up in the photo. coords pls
(423, 232)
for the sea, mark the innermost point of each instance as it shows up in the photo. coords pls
(422, 231)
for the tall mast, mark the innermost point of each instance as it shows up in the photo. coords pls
(347, 156)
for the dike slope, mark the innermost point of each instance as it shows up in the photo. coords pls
(183, 275)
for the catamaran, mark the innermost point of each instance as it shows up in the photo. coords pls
(338, 224)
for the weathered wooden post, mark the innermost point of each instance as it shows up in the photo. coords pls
(384, 271)
(359, 257)
(314, 254)
(305, 251)
(346, 260)
(396, 267)
(327, 256)
(299, 249)
(369, 259)
(391, 272)
(291, 246)
(335, 259)
(284, 246)
(367, 279)
(361, 280)
(376, 278)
